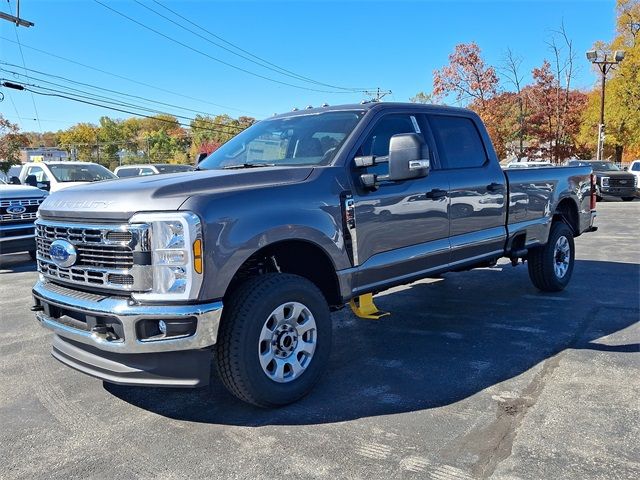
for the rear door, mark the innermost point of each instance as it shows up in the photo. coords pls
(402, 227)
(477, 188)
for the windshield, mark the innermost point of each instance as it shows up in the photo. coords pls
(605, 166)
(80, 173)
(311, 139)
(174, 168)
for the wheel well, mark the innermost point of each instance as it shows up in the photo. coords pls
(297, 257)
(567, 211)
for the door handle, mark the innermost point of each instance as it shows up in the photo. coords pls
(495, 187)
(436, 193)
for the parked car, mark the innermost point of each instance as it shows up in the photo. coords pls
(143, 282)
(18, 207)
(54, 176)
(150, 169)
(634, 169)
(611, 181)
(528, 164)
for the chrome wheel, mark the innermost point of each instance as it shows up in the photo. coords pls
(287, 342)
(561, 256)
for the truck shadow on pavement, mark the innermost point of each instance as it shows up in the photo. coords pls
(445, 341)
(16, 263)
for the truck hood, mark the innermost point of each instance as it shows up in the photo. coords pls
(118, 200)
(14, 192)
(63, 185)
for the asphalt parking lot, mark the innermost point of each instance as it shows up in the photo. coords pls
(475, 375)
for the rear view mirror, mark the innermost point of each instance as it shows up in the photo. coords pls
(408, 157)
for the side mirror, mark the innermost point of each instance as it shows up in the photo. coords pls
(14, 180)
(626, 169)
(408, 157)
(44, 186)
(31, 181)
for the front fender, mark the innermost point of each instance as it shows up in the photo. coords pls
(235, 226)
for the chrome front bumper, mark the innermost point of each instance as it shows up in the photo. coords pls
(128, 313)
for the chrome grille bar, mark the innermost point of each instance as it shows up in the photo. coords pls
(105, 255)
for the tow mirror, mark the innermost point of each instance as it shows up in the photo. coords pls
(408, 157)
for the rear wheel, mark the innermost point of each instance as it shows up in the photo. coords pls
(274, 339)
(551, 265)
(628, 199)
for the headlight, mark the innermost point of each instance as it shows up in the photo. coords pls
(176, 255)
(605, 181)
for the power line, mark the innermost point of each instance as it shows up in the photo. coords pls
(189, 47)
(98, 88)
(64, 95)
(125, 78)
(249, 56)
(33, 100)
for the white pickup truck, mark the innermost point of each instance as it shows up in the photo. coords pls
(54, 176)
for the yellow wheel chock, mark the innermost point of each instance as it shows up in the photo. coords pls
(364, 307)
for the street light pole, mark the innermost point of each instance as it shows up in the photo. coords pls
(605, 62)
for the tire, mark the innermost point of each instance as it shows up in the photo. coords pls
(628, 199)
(249, 327)
(551, 265)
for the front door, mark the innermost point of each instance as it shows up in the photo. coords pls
(402, 227)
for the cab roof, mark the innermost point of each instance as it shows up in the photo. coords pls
(370, 106)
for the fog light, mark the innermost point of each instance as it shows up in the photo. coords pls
(162, 326)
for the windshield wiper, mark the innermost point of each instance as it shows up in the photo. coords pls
(248, 165)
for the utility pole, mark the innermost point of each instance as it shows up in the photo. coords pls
(605, 61)
(16, 19)
(377, 94)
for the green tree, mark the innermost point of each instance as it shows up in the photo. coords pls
(622, 107)
(11, 140)
(81, 139)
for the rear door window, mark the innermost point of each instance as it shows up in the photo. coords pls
(458, 141)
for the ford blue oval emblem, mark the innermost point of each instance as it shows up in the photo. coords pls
(16, 209)
(63, 253)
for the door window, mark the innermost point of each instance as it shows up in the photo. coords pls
(377, 142)
(38, 173)
(458, 141)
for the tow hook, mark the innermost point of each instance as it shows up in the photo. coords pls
(363, 307)
(36, 308)
(104, 332)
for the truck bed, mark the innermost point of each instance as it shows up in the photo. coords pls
(534, 193)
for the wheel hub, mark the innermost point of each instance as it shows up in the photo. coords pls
(562, 256)
(285, 341)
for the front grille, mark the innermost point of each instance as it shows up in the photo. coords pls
(622, 182)
(30, 206)
(118, 279)
(105, 255)
(91, 252)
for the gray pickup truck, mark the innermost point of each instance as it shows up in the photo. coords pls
(150, 281)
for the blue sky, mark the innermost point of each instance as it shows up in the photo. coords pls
(393, 45)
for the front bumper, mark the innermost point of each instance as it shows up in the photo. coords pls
(78, 319)
(620, 191)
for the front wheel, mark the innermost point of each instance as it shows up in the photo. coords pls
(628, 199)
(274, 339)
(551, 265)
